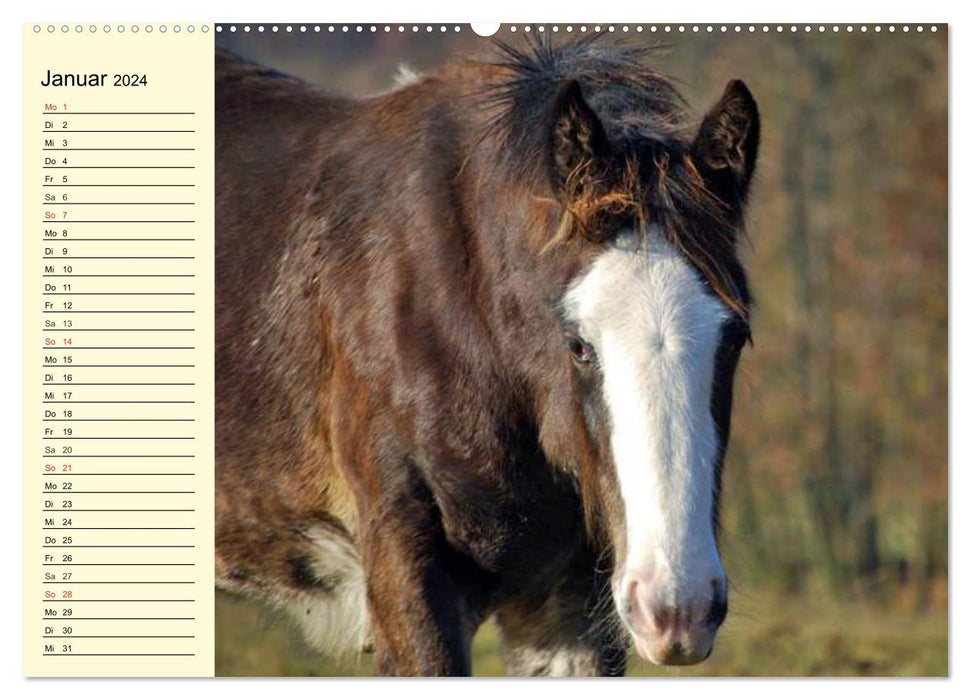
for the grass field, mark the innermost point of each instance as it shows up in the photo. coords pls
(764, 636)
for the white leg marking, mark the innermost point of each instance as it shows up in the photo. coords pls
(336, 622)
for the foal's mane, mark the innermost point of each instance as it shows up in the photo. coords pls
(653, 181)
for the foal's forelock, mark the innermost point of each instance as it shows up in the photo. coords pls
(636, 161)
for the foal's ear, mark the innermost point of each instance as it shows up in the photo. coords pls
(577, 137)
(727, 144)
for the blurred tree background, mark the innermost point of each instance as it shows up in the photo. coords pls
(836, 488)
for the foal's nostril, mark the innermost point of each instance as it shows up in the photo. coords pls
(664, 618)
(718, 609)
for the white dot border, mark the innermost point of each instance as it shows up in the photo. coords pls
(526, 29)
(121, 28)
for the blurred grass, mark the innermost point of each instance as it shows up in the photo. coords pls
(766, 635)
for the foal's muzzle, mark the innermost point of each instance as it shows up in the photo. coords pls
(672, 626)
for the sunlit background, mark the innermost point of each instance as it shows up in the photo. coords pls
(835, 503)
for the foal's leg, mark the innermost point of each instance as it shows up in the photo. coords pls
(423, 617)
(564, 635)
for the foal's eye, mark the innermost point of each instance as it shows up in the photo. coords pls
(739, 333)
(580, 350)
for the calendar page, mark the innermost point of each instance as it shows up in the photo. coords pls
(563, 349)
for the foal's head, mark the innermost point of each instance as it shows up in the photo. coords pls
(652, 314)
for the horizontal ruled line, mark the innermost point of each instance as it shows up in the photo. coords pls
(118, 600)
(118, 636)
(118, 131)
(107, 654)
(119, 221)
(116, 383)
(119, 420)
(115, 204)
(116, 437)
(118, 618)
(121, 330)
(119, 294)
(126, 456)
(119, 167)
(125, 185)
(73, 564)
(73, 365)
(120, 311)
(125, 113)
(117, 510)
(102, 583)
(118, 528)
(79, 401)
(72, 491)
(145, 275)
(118, 546)
(128, 240)
(118, 149)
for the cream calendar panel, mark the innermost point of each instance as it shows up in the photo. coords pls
(117, 350)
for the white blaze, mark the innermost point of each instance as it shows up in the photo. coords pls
(655, 330)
